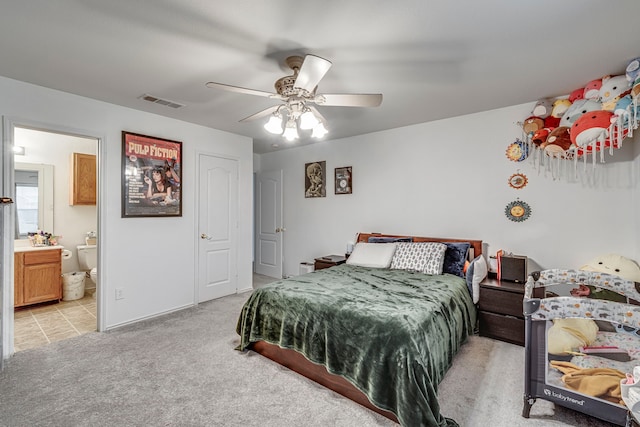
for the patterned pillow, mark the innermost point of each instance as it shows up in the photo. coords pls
(426, 257)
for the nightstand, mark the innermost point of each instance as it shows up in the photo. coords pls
(329, 261)
(500, 310)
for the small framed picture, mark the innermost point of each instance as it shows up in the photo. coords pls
(344, 180)
(315, 179)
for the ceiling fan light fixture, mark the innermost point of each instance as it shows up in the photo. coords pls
(308, 120)
(274, 125)
(319, 131)
(290, 131)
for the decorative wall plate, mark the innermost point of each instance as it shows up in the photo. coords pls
(518, 180)
(518, 211)
(517, 151)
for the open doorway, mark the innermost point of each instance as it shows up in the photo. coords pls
(46, 177)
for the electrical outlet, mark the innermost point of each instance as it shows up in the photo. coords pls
(119, 293)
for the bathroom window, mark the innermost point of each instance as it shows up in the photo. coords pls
(26, 209)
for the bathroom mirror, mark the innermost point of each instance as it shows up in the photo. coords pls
(34, 198)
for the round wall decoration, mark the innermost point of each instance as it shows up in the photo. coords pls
(518, 180)
(518, 211)
(517, 151)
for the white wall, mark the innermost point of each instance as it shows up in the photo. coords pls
(152, 259)
(636, 197)
(70, 222)
(449, 179)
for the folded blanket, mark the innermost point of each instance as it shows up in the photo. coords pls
(598, 382)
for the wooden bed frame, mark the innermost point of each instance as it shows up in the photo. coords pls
(298, 363)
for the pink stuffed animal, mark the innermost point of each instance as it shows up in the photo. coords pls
(592, 89)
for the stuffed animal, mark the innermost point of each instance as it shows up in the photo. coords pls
(539, 138)
(560, 107)
(542, 108)
(635, 89)
(613, 88)
(558, 142)
(615, 264)
(611, 264)
(577, 109)
(532, 124)
(624, 116)
(592, 89)
(592, 127)
(576, 95)
(633, 70)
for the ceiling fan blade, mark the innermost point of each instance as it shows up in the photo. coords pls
(349, 99)
(239, 89)
(261, 114)
(311, 72)
(317, 114)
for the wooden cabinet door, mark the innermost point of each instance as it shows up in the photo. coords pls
(18, 269)
(83, 179)
(38, 277)
(44, 283)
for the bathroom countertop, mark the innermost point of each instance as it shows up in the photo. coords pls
(25, 246)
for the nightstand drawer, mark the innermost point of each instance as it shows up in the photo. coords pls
(505, 328)
(502, 302)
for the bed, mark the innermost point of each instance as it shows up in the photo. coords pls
(578, 349)
(383, 337)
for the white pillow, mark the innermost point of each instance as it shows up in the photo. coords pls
(376, 255)
(476, 272)
(426, 257)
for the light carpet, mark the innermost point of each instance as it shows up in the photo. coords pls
(182, 370)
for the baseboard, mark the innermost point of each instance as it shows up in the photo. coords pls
(152, 316)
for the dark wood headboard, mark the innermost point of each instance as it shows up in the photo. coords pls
(475, 244)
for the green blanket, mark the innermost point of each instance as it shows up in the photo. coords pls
(391, 333)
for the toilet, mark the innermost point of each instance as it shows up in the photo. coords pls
(88, 261)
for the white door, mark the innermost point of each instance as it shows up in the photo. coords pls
(269, 227)
(218, 227)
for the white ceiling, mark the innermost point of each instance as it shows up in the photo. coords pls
(431, 59)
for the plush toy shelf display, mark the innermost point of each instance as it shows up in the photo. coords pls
(586, 124)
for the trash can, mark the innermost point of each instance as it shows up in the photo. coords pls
(306, 267)
(73, 285)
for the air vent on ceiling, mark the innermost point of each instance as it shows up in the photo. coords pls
(160, 101)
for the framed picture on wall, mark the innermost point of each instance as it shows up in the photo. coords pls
(344, 180)
(151, 171)
(315, 181)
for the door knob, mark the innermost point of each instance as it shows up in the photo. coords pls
(280, 230)
(205, 237)
(6, 200)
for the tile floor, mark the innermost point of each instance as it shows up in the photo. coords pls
(38, 325)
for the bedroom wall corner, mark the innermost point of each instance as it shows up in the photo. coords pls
(449, 178)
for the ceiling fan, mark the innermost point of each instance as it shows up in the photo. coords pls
(298, 95)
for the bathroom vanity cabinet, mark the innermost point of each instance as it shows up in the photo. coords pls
(37, 276)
